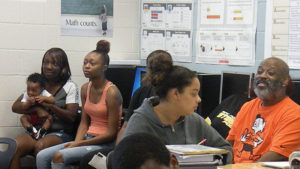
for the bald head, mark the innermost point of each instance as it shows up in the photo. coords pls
(272, 81)
(280, 65)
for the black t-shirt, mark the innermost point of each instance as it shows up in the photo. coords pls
(137, 99)
(223, 115)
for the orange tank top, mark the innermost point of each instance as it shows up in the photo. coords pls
(98, 112)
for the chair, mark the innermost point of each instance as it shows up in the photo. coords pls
(6, 156)
(109, 160)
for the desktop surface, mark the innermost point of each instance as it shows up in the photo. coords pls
(243, 166)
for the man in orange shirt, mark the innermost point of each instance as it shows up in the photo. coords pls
(268, 127)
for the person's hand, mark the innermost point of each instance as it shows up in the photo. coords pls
(47, 105)
(31, 100)
(40, 99)
(72, 144)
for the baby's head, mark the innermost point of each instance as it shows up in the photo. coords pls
(35, 84)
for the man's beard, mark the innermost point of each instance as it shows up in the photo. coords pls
(271, 87)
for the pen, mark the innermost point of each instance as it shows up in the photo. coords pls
(201, 142)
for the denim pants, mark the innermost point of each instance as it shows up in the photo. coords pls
(70, 155)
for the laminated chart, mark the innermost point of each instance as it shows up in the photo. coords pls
(282, 35)
(178, 44)
(225, 47)
(167, 25)
(152, 40)
(226, 32)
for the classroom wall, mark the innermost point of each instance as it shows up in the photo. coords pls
(29, 27)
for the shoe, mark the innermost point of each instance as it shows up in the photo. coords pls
(40, 134)
(32, 131)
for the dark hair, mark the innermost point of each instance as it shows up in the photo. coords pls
(37, 78)
(160, 56)
(103, 48)
(164, 76)
(62, 61)
(134, 150)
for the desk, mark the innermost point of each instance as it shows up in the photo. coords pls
(243, 166)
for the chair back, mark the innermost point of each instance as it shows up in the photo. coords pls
(108, 160)
(7, 155)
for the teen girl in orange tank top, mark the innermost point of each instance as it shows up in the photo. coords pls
(98, 112)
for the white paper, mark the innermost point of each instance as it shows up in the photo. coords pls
(179, 16)
(153, 15)
(179, 45)
(240, 12)
(167, 25)
(282, 31)
(277, 164)
(211, 11)
(225, 47)
(226, 32)
(152, 40)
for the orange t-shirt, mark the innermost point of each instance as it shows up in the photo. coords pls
(257, 130)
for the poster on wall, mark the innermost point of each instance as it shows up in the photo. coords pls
(282, 35)
(87, 18)
(167, 25)
(226, 32)
(178, 44)
(152, 40)
(234, 47)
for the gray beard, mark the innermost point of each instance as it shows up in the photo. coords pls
(272, 87)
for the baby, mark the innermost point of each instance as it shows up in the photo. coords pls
(37, 120)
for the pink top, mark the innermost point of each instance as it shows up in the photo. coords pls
(98, 112)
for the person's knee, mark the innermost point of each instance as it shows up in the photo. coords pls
(21, 147)
(41, 156)
(23, 118)
(38, 147)
(58, 158)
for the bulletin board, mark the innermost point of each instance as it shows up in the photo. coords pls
(214, 32)
(167, 25)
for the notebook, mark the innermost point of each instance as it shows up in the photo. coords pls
(190, 149)
(192, 158)
(194, 155)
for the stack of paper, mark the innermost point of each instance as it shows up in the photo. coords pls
(197, 156)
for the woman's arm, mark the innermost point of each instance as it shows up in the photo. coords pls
(21, 107)
(68, 114)
(113, 102)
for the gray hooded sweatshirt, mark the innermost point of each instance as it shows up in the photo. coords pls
(189, 129)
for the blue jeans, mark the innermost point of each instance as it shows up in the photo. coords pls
(62, 135)
(70, 155)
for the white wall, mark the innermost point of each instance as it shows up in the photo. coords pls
(29, 27)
